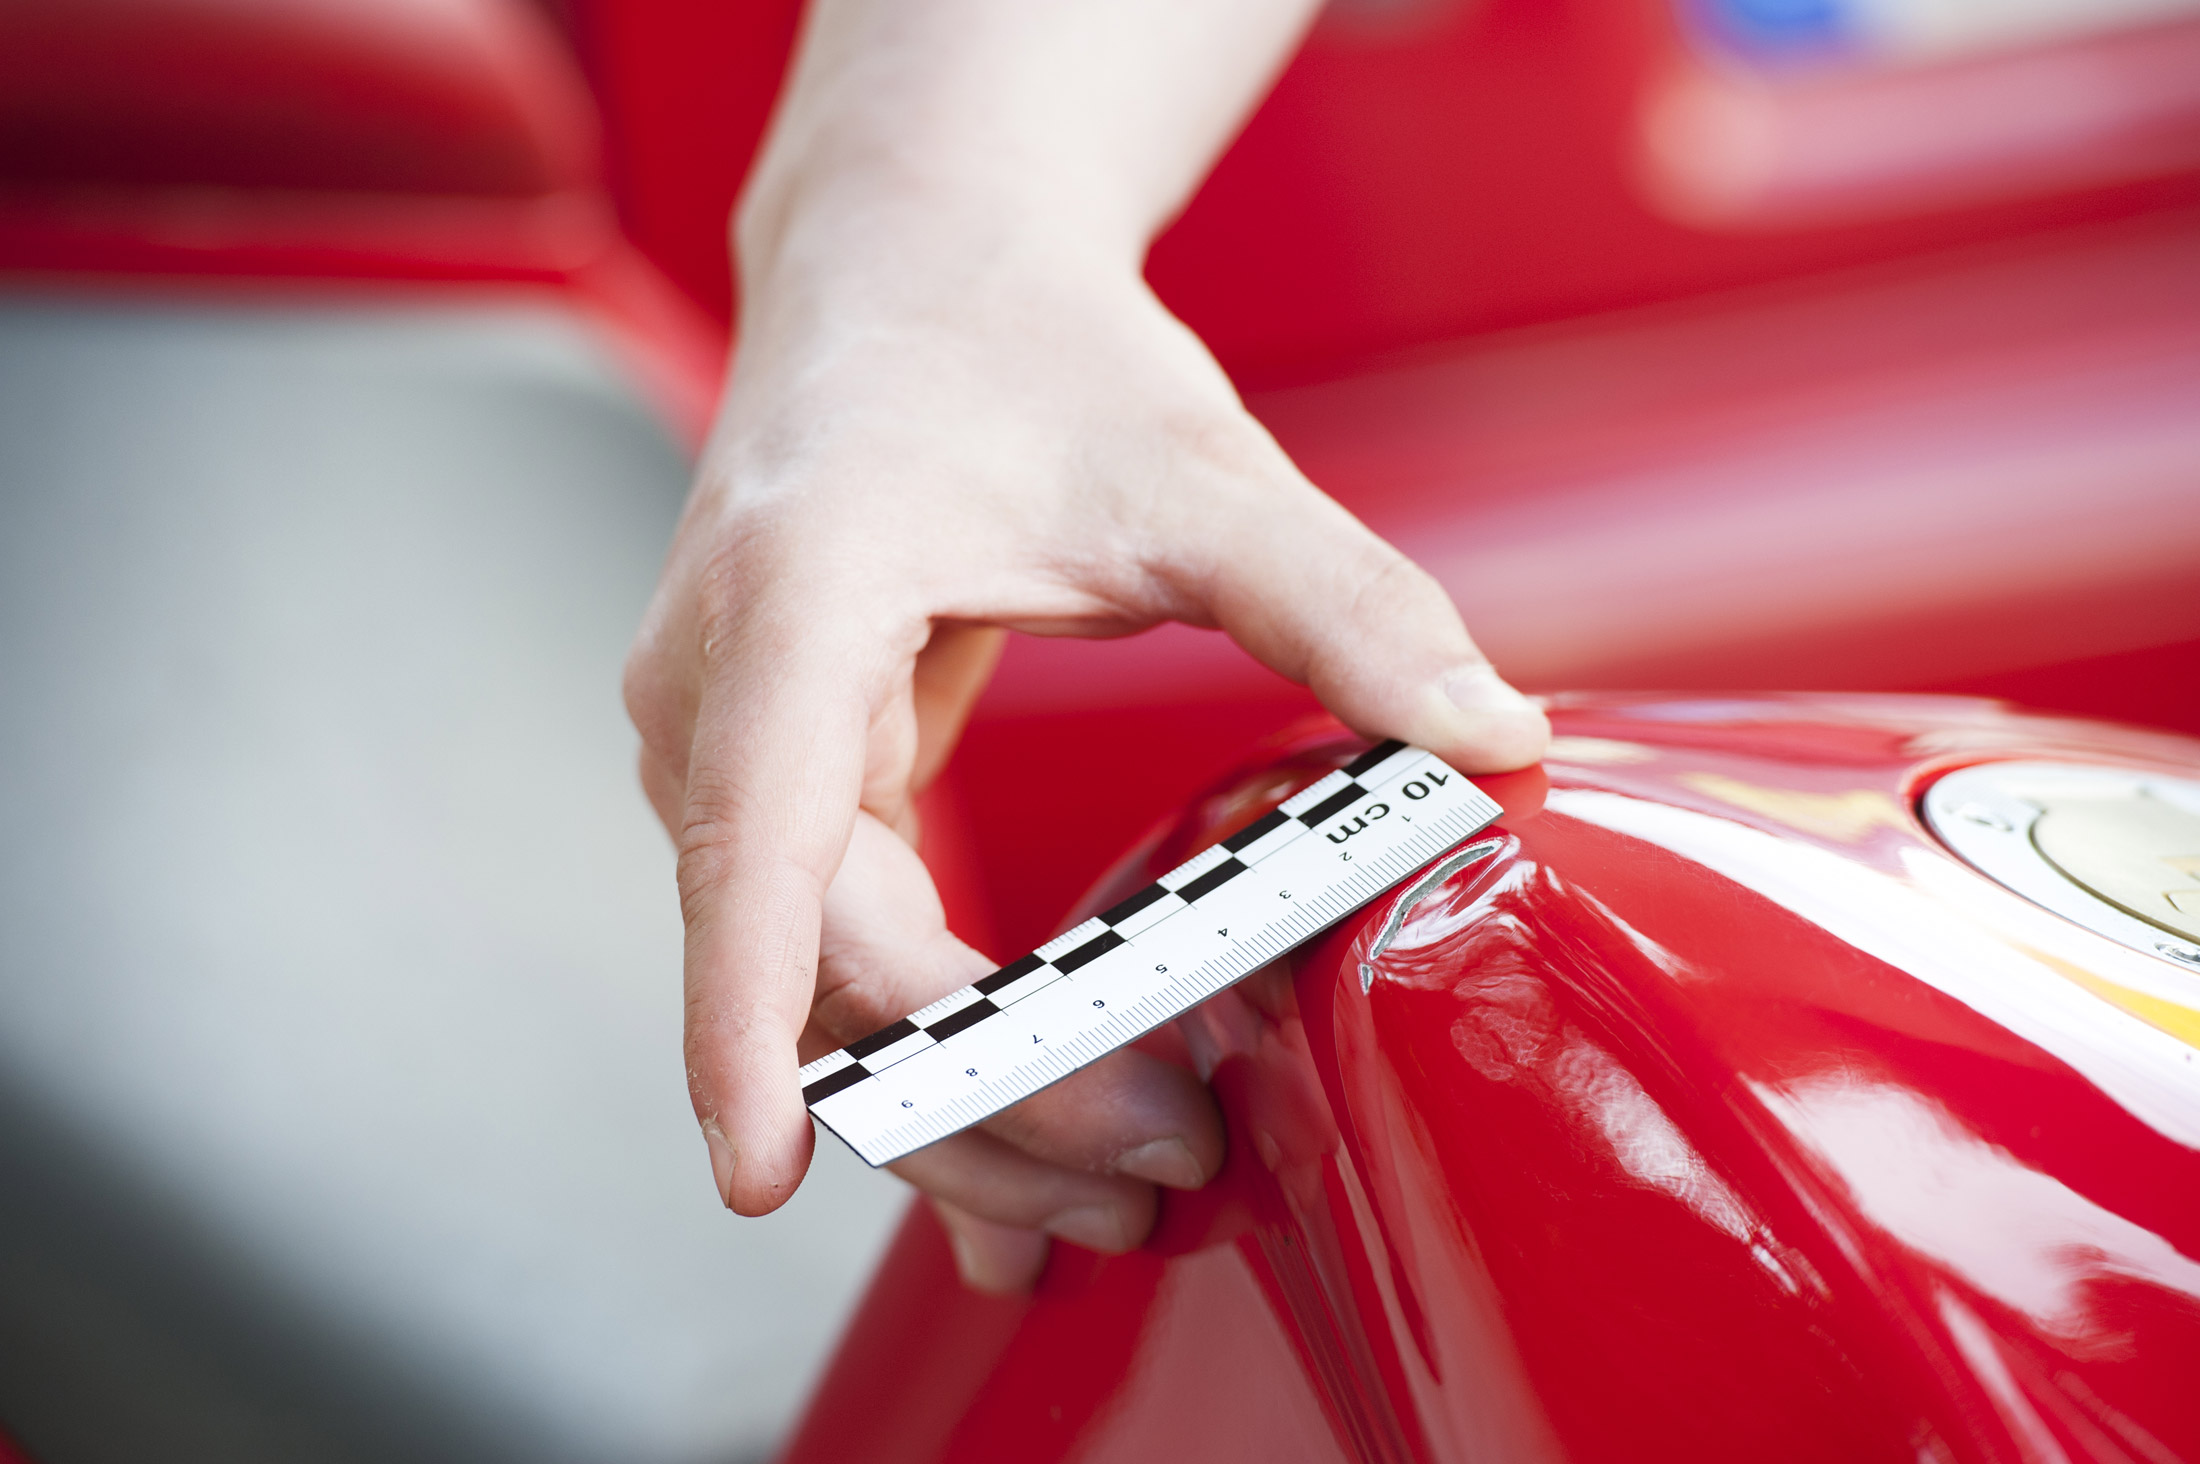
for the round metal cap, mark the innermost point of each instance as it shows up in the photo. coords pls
(2117, 851)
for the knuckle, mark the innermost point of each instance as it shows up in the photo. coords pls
(732, 594)
(1224, 469)
(1386, 584)
(699, 872)
(776, 901)
(1226, 445)
(1384, 596)
(705, 860)
(756, 563)
(775, 596)
(851, 1010)
(707, 842)
(652, 697)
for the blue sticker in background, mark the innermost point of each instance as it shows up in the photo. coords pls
(1775, 30)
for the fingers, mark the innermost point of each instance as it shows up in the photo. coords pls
(952, 670)
(1314, 594)
(1073, 1161)
(1129, 1113)
(999, 1260)
(665, 788)
(994, 1180)
(771, 788)
(913, 734)
(886, 951)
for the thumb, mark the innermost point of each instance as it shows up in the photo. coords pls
(1315, 595)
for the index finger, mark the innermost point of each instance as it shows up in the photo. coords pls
(774, 775)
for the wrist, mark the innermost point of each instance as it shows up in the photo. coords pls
(873, 245)
(844, 202)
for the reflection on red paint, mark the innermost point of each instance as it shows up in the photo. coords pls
(1709, 1119)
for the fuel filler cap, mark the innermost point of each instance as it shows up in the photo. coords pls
(2116, 850)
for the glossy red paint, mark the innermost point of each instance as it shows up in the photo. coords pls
(1979, 472)
(1724, 1115)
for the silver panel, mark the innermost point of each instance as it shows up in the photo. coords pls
(2102, 846)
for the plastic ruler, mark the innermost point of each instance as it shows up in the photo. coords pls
(1211, 921)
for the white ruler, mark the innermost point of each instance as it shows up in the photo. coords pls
(1211, 921)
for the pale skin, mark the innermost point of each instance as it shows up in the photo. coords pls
(957, 410)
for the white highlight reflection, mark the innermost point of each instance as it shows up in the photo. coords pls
(2022, 1237)
(2152, 1074)
(1513, 1033)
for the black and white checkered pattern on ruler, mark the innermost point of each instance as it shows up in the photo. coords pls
(1197, 963)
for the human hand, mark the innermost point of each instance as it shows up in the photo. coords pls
(1028, 441)
(956, 408)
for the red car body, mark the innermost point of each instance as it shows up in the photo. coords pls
(1681, 1137)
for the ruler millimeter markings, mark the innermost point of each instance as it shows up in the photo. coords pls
(1213, 920)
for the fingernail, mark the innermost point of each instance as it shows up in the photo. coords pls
(721, 1160)
(969, 1260)
(1504, 730)
(1481, 690)
(1162, 1161)
(998, 1262)
(1095, 1227)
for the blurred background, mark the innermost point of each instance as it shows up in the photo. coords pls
(351, 357)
